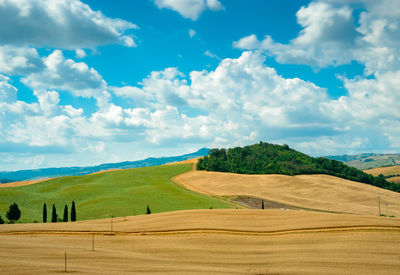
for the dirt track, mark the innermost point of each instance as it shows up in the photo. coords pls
(207, 241)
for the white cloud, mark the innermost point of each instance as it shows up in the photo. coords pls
(327, 31)
(80, 53)
(330, 36)
(241, 102)
(59, 23)
(8, 93)
(67, 75)
(19, 61)
(189, 8)
(212, 55)
(192, 33)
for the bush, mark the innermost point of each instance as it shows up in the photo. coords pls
(13, 213)
(1, 220)
(148, 211)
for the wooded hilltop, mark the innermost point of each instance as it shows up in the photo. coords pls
(266, 158)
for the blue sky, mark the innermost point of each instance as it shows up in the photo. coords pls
(88, 82)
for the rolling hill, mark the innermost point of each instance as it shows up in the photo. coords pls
(118, 193)
(21, 175)
(308, 192)
(368, 161)
(266, 158)
(391, 173)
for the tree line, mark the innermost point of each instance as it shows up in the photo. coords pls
(266, 158)
(14, 213)
(54, 216)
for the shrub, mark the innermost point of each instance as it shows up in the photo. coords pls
(148, 211)
(13, 213)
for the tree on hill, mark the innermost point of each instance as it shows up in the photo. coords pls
(262, 204)
(13, 213)
(73, 212)
(1, 220)
(265, 158)
(44, 213)
(148, 211)
(54, 214)
(65, 217)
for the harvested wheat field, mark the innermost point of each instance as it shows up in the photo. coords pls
(207, 242)
(394, 179)
(21, 183)
(317, 192)
(386, 171)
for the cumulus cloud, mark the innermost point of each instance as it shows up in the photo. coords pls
(326, 31)
(331, 36)
(189, 8)
(67, 75)
(8, 93)
(62, 24)
(80, 53)
(242, 101)
(19, 61)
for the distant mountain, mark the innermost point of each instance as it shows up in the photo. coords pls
(368, 161)
(77, 171)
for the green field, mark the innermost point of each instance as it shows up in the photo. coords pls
(117, 193)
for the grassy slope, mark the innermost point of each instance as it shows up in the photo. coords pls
(119, 193)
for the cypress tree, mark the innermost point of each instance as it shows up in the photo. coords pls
(65, 217)
(54, 214)
(262, 204)
(1, 220)
(44, 213)
(73, 212)
(148, 211)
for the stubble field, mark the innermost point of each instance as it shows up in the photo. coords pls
(207, 242)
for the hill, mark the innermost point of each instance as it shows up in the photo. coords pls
(265, 158)
(315, 192)
(391, 173)
(207, 242)
(119, 193)
(368, 161)
(76, 171)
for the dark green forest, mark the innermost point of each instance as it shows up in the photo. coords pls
(266, 158)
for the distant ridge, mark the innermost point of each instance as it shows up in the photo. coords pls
(368, 160)
(75, 171)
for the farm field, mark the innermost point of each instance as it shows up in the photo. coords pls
(207, 241)
(317, 192)
(118, 193)
(392, 172)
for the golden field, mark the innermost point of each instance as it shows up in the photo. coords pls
(207, 242)
(386, 171)
(225, 241)
(317, 192)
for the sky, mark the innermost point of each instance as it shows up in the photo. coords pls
(97, 81)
